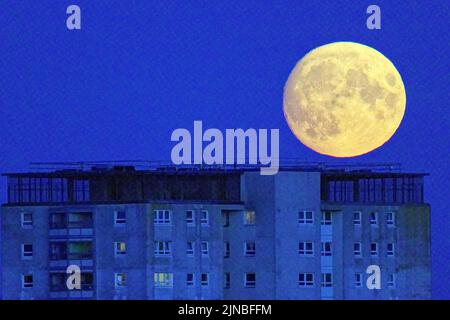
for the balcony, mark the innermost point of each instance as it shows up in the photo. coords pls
(59, 290)
(71, 224)
(65, 253)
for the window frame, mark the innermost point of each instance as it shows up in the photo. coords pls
(117, 251)
(247, 252)
(204, 220)
(27, 255)
(190, 222)
(167, 280)
(305, 252)
(166, 250)
(120, 222)
(160, 218)
(249, 283)
(302, 217)
(123, 282)
(324, 282)
(26, 224)
(357, 221)
(204, 253)
(25, 284)
(305, 283)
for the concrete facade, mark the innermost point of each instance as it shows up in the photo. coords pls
(266, 245)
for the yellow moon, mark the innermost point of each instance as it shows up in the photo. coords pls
(344, 99)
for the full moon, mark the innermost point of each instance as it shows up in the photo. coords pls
(344, 99)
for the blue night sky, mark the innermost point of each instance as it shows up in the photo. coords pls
(140, 69)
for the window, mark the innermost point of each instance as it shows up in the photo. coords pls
(358, 279)
(27, 281)
(120, 248)
(306, 279)
(249, 249)
(227, 249)
(326, 249)
(27, 220)
(250, 280)
(204, 279)
(205, 248)
(326, 218)
(305, 217)
(204, 220)
(390, 249)
(227, 280)
(120, 279)
(190, 248)
(357, 249)
(391, 280)
(226, 219)
(27, 251)
(374, 249)
(162, 217)
(120, 218)
(373, 218)
(163, 248)
(306, 248)
(249, 217)
(390, 219)
(190, 218)
(190, 279)
(327, 280)
(163, 279)
(357, 218)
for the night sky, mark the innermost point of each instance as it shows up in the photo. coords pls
(137, 70)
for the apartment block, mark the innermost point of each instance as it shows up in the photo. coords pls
(195, 232)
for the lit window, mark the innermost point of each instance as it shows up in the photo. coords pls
(374, 249)
(306, 279)
(390, 249)
(204, 218)
(120, 248)
(162, 217)
(326, 218)
(190, 248)
(27, 281)
(373, 218)
(120, 279)
(204, 279)
(327, 280)
(190, 218)
(390, 219)
(227, 249)
(306, 248)
(227, 280)
(250, 280)
(163, 279)
(305, 217)
(358, 279)
(357, 249)
(249, 217)
(27, 251)
(326, 249)
(27, 220)
(391, 280)
(163, 248)
(190, 279)
(205, 248)
(120, 218)
(249, 249)
(357, 218)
